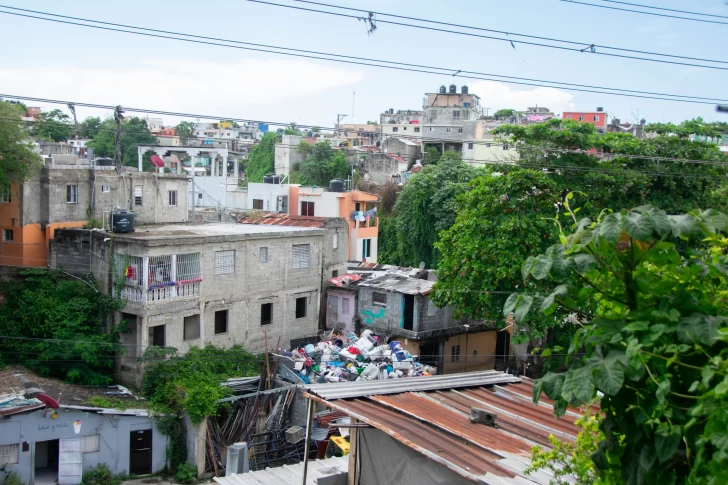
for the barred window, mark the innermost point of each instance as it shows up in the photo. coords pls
(173, 198)
(130, 268)
(264, 255)
(72, 194)
(225, 262)
(9, 454)
(379, 299)
(188, 267)
(160, 271)
(301, 256)
(5, 193)
(137, 195)
(91, 443)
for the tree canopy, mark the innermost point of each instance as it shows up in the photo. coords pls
(647, 294)
(134, 132)
(53, 125)
(696, 126)
(185, 130)
(262, 158)
(323, 164)
(18, 161)
(89, 127)
(505, 113)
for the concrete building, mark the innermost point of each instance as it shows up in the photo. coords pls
(359, 133)
(286, 154)
(597, 118)
(216, 283)
(71, 195)
(401, 123)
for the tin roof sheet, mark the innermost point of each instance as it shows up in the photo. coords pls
(288, 474)
(285, 220)
(400, 283)
(436, 423)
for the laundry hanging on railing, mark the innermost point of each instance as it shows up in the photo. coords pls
(363, 216)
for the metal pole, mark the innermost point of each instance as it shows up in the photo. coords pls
(194, 201)
(309, 422)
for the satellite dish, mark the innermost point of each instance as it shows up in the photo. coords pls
(157, 161)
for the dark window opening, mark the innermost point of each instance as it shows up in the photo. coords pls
(191, 330)
(157, 335)
(379, 299)
(301, 307)
(307, 209)
(221, 322)
(502, 346)
(335, 273)
(455, 353)
(258, 204)
(266, 313)
(409, 312)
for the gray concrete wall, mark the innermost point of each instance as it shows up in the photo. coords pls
(70, 250)
(113, 430)
(380, 168)
(286, 154)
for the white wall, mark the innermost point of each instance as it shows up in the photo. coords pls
(268, 193)
(360, 246)
(216, 189)
(326, 204)
(403, 130)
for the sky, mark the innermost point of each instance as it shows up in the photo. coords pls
(57, 61)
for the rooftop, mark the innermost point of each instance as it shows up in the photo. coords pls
(288, 474)
(273, 219)
(400, 283)
(209, 229)
(432, 417)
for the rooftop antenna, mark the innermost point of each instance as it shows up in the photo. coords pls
(353, 101)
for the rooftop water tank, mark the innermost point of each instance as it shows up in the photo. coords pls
(453, 89)
(276, 179)
(268, 178)
(464, 90)
(122, 221)
(443, 89)
(337, 185)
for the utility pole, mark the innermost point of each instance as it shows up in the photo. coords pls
(118, 116)
(72, 109)
(338, 121)
(194, 200)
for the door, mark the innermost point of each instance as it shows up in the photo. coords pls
(140, 452)
(502, 346)
(409, 311)
(70, 461)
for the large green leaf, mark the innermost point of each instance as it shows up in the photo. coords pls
(536, 390)
(660, 222)
(523, 306)
(683, 225)
(560, 266)
(700, 328)
(552, 384)
(549, 301)
(609, 373)
(578, 385)
(638, 226)
(584, 262)
(526, 267)
(541, 267)
(717, 220)
(611, 227)
(510, 304)
(667, 439)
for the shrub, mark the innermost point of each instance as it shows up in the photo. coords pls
(13, 478)
(100, 475)
(186, 473)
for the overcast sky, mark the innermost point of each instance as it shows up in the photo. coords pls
(56, 61)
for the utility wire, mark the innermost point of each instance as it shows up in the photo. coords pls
(583, 47)
(515, 34)
(393, 65)
(647, 13)
(667, 9)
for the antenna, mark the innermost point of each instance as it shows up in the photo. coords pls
(353, 102)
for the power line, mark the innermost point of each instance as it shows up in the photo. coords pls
(550, 39)
(667, 9)
(647, 13)
(393, 65)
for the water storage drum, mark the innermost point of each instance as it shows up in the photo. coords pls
(122, 221)
(337, 185)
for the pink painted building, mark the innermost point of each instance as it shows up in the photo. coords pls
(597, 118)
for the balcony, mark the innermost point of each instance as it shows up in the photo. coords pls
(159, 278)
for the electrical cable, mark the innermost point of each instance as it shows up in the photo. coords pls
(647, 13)
(394, 65)
(667, 9)
(515, 34)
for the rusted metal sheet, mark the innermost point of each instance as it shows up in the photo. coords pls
(285, 220)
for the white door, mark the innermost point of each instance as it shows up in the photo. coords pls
(70, 461)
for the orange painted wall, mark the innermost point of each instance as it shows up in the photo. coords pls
(481, 342)
(293, 208)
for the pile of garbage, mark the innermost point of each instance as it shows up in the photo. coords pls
(350, 358)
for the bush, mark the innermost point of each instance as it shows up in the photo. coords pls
(13, 478)
(186, 473)
(100, 475)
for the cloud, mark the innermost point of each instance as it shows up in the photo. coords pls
(497, 95)
(193, 86)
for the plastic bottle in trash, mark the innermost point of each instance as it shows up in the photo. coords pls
(364, 344)
(366, 333)
(370, 372)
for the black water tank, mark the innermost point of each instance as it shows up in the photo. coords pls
(443, 89)
(464, 90)
(453, 89)
(268, 178)
(122, 221)
(337, 185)
(104, 162)
(276, 179)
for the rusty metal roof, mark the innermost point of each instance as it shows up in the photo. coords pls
(273, 219)
(436, 423)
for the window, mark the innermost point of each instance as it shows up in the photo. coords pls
(417, 130)
(336, 240)
(470, 146)
(173, 198)
(460, 130)
(7, 234)
(379, 299)
(72, 194)
(395, 129)
(301, 307)
(264, 255)
(9, 454)
(405, 128)
(345, 306)
(191, 330)
(581, 117)
(266, 313)
(301, 256)
(449, 130)
(137, 195)
(366, 248)
(596, 118)
(5, 194)
(258, 204)
(225, 262)
(221, 321)
(335, 273)
(90, 443)
(160, 271)
(475, 353)
(455, 353)
(456, 114)
(430, 128)
(156, 335)
(307, 208)
(105, 188)
(188, 267)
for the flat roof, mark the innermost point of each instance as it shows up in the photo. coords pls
(209, 229)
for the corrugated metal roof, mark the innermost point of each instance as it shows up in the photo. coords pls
(285, 220)
(288, 474)
(436, 423)
(401, 284)
(344, 390)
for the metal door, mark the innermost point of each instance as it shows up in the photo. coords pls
(70, 461)
(140, 452)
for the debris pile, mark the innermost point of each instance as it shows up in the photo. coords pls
(354, 358)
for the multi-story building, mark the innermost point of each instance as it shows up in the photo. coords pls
(70, 195)
(218, 283)
(357, 207)
(359, 133)
(597, 118)
(403, 122)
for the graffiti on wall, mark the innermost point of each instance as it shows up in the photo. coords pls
(370, 316)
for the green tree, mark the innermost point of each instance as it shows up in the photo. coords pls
(696, 126)
(505, 113)
(52, 126)
(18, 161)
(431, 156)
(134, 132)
(425, 206)
(648, 293)
(185, 130)
(59, 327)
(501, 219)
(89, 127)
(262, 158)
(324, 164)
(292, 129)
